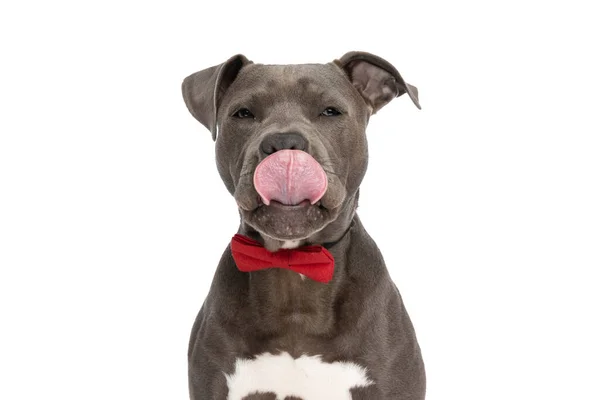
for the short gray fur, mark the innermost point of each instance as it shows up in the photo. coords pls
(359, 316)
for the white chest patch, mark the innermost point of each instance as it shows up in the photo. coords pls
(307, 377)
(290, 244)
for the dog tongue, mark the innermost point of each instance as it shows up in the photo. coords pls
(290, 177)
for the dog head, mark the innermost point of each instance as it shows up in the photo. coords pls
(290, 139)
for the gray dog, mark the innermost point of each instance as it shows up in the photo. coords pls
(301, 305)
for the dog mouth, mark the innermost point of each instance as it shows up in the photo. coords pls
(288, 221)
(290, 187)
(289, 207)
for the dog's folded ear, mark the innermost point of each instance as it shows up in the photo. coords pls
(376, 79)
(204, 90)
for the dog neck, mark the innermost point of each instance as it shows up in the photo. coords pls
(284, 301)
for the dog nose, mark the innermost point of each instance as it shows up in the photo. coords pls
(283, 141)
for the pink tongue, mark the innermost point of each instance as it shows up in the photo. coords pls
(290, 177)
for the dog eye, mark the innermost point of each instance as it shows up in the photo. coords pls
(331, 112)
(243, 113)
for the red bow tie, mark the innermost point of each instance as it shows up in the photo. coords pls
(314, 262)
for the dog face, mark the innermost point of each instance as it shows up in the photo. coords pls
(313, 108)
(274, 116)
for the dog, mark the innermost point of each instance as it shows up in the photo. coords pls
(301, 305)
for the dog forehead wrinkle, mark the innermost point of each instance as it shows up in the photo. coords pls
(303, 76)
(289, 89)
(248, 97)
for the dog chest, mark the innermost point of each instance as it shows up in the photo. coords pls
(306, 377)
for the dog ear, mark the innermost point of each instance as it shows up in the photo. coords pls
(204, 90)
(376, 79)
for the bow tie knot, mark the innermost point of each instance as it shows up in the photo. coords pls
(315, 262)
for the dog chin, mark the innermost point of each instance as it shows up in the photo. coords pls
(288, 222)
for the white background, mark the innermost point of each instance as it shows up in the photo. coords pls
(485, 204)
